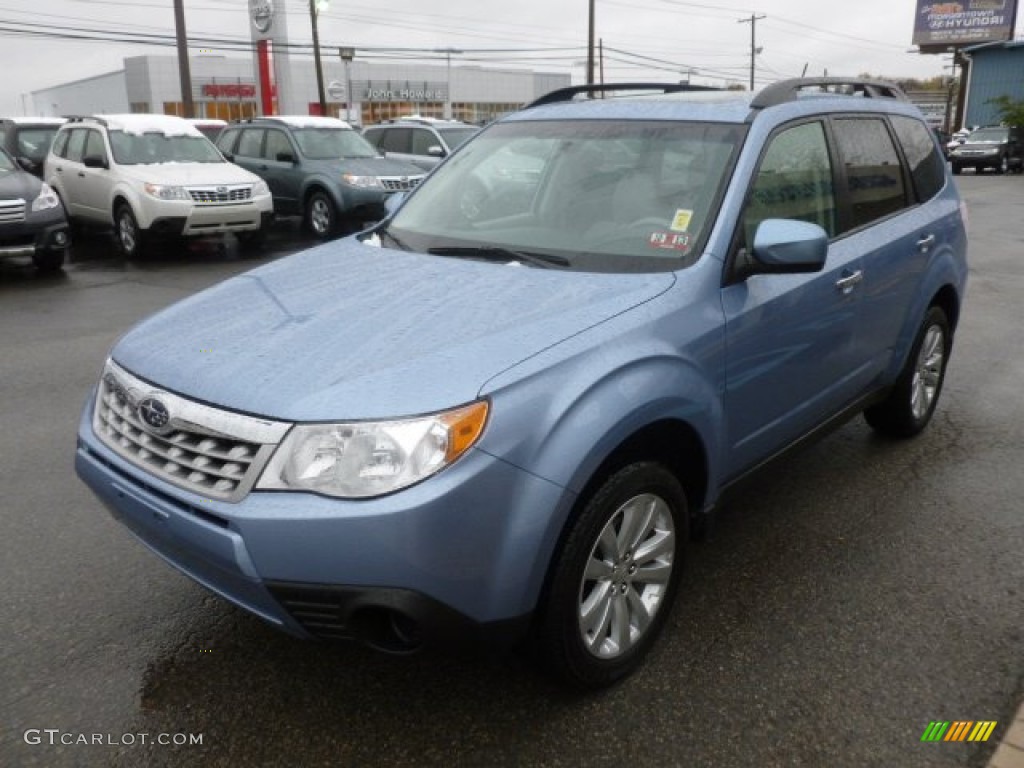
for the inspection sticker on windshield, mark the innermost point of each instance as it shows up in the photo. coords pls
(671, 241)
(681, 221)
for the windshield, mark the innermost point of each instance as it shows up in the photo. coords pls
(34, 143)
(609, 196)
(455, 136)
(148, 148)
(332, 143)
(989, 136)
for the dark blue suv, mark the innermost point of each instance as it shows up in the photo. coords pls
(502, 412)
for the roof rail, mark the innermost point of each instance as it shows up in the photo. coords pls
(789, 90)
(83, 118)
(567, 94)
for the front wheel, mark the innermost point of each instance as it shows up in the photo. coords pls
(613, 583)
(909, 407)
(130, 239)
(321, 215)
(956, 169)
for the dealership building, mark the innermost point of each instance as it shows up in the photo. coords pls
(226, 87)
(275, 80)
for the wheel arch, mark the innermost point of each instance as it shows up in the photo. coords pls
(948, 301)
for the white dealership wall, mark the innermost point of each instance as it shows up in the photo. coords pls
(153, 81)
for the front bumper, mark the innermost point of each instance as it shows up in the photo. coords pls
(458, 560)
(184, 217)
(36, 234)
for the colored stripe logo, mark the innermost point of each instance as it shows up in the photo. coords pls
(958, 730)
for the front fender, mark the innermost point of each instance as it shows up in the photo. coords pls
(562, 432)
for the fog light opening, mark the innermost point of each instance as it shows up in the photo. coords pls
(61, 238)
(387, 630)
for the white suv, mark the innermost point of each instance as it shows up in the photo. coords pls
(153, 176)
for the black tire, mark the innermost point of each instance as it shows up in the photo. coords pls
(131, 241)
(599, 568)
(911, 403)
(1004, 165)
(956, 169)
(48, 262)
(321, 216)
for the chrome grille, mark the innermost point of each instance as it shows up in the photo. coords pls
(220, 194)
(399, 183)
(12, 211)
(211, 452)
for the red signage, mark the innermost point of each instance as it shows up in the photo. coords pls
(229, 90)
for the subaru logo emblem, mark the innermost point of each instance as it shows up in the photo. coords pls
(154, 414)
(222, 190)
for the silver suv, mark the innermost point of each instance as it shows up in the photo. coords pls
(153, 176)
(422, 141)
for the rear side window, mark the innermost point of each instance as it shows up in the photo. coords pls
(873, 172)
(927, 167)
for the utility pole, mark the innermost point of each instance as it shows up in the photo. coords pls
(752, 21)
(313, 11)
(184, 73)
(590, 45)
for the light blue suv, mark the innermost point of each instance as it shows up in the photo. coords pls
(503, 412)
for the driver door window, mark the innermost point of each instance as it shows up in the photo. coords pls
(794, 182)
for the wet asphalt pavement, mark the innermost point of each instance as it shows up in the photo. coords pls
(858, 591)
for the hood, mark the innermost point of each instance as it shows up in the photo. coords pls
(377, 166)
(15, 184)
(348, 331)
(185, 174)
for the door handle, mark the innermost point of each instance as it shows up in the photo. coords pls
(81, 174)
(849, 282)
(925, 243)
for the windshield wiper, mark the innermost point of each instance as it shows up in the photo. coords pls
(495, 253)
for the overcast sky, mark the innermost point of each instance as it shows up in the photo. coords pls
(843, 38)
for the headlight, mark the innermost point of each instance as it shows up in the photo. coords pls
(47, 199)
(366, 182)
(164, 192)
(362, 459)
(260, 188)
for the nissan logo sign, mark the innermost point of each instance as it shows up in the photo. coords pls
(262, 14)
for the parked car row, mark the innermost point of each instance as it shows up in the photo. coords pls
(158, 176)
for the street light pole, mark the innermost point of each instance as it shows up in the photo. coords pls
(315, 7)
(448, 86)
(184, 72)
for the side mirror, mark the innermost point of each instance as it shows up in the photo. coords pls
(435, 150)
(785, 247)
(28, 164)
(95, 161)
(285, 157)
(228, 156)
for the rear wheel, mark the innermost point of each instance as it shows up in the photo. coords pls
(910, 405)
(614, 581)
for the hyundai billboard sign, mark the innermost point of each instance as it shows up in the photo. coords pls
(968, 22)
